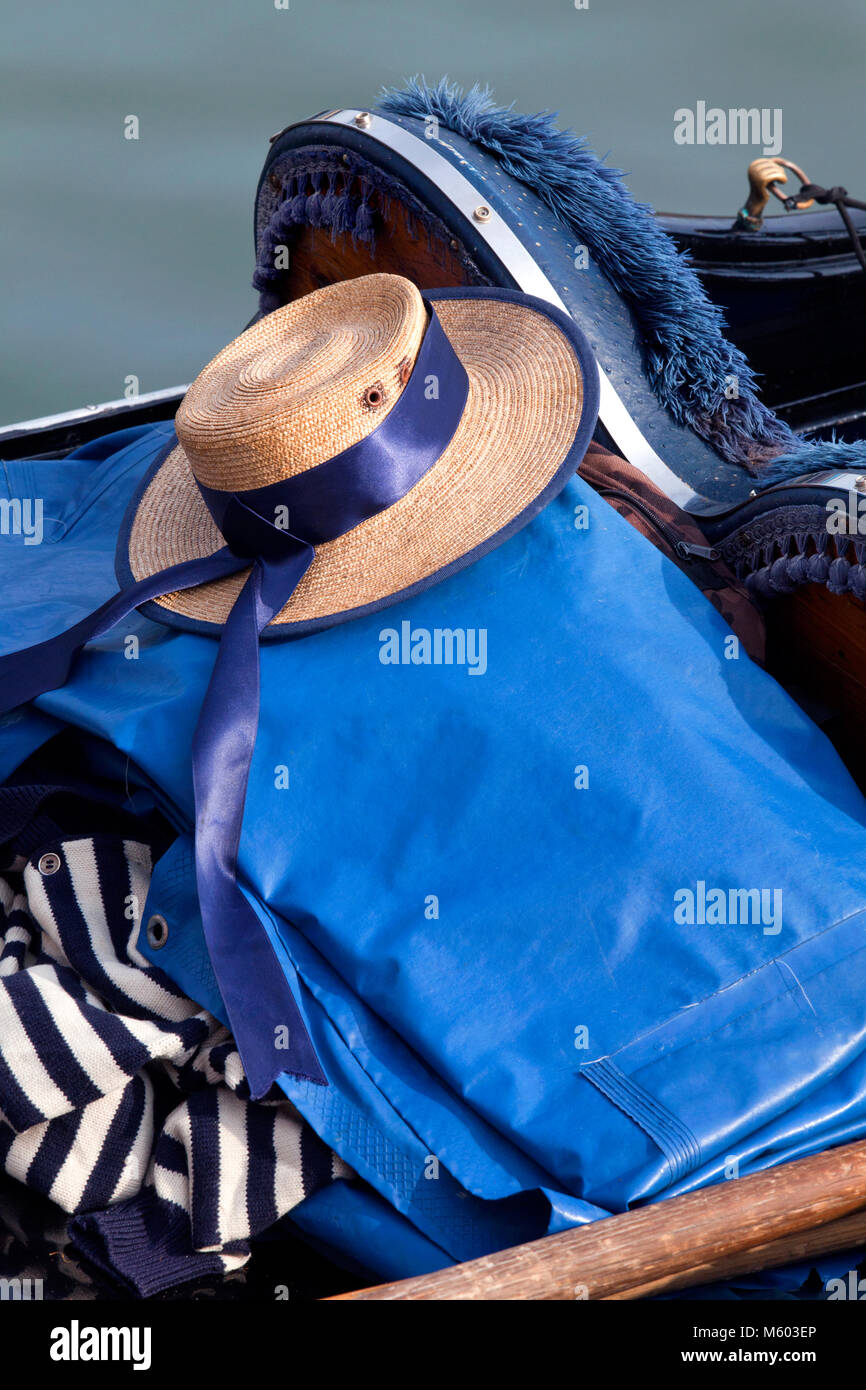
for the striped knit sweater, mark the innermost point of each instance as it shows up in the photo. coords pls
(121, 1100)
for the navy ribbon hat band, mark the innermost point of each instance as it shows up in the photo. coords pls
(323, 502)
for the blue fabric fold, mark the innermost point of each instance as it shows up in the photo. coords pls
(456, 1035)
(322, 503)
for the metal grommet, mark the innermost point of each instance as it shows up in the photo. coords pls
(373, 396)
(275, 181)
(157, 931)
(363, 119)
(404, 371)
(49, 864)
(482, 213)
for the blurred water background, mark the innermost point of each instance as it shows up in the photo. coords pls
(124, 257)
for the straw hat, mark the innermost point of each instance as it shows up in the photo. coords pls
(320, 375)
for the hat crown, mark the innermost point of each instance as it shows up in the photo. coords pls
(302, 384)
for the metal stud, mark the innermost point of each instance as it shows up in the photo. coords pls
(157, 932)
(363, 119)
(860, 484)
(482, 213)
(49, 864)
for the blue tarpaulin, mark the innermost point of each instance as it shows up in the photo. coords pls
(575, 918)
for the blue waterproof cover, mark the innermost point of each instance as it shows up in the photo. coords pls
(575, 922)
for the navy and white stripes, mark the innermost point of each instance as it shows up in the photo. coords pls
(120, 1099)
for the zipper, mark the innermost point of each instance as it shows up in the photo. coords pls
(684, 549)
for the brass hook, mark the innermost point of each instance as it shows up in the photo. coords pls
(765, 176)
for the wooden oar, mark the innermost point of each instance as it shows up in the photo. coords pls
(644, 1250)
(848, 1233)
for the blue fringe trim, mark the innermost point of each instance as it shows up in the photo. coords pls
(839, 572)
(785, 547)
(317, 196)
(348, 196)
(686, 354)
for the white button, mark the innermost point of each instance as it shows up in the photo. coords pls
(49, 864)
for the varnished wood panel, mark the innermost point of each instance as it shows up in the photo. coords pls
(316, 260)
(816, 642)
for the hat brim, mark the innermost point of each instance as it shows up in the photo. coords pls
(529, 416)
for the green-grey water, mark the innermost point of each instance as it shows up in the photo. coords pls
(133, 258)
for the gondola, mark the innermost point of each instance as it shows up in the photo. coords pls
(792, 289)
(794, 298)
(793, 294)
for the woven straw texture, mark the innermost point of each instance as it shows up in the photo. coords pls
(290, 393)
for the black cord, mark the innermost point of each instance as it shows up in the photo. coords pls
(838, 196)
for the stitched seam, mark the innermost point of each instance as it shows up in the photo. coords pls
(676, 1141)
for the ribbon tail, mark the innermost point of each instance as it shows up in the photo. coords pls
(264, 1015)
(46, 666)
(265, 1018)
